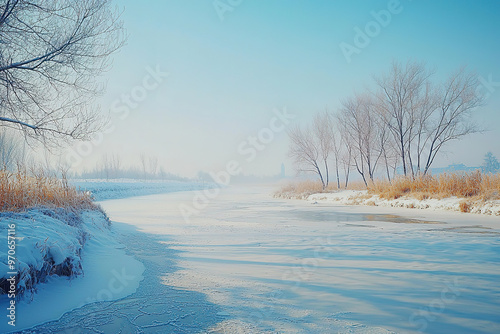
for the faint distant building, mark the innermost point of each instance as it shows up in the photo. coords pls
(282, 175)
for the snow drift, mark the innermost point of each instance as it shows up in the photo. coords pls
(49, 241)
(361, 197)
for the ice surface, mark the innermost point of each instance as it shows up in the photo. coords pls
(271, 265)
(248, 263)
(108, 272)
(153, 308)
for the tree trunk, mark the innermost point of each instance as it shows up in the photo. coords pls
(327, 174)
(320, 175)
(337, 170)
(347, 177)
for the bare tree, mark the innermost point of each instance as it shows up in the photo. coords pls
(110, 166)
(345, 148)
(116, 163)
(406, 122)
(106, 166)
(11, 150)
(396, 99)
(389, 152)
(364, 133)
(162, 173)
(346, 159)
(458, 98)
(422, 116)
(422, 108)
(144, 165)
(305, 151)
(51, 56)
(324, 135)
(153, 166)
(337, 148)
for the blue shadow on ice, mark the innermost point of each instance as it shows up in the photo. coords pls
(153, 308)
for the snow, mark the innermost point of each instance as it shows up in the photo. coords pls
(361, 197)
(153, 308)
(108, 272)
(122, 188)
(250, 263)
(41, 237)
(102, 269)
(287, 266)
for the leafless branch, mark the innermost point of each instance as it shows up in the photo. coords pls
(52, 54)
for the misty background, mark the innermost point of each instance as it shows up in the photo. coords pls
(230, 69)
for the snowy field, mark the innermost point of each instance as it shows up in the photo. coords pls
(122, 188)
(107, 272)
(361, 197)
(86, 245)
(248, 263)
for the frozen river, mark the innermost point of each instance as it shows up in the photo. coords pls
(249, 263)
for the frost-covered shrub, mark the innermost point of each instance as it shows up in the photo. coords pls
(48, 242)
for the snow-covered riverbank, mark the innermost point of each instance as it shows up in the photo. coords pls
(250, 263)
(102, 190)
(67, 258)
(45, 242)
(285, 266)
(64, 260)
(361, 197)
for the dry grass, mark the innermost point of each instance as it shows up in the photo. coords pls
(22, 190)
(299, 190)
(303, 189)
(464, 206)
(473, 185)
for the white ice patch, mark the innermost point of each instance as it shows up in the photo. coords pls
(108, 272)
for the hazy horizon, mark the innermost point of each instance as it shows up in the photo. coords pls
(227, 77)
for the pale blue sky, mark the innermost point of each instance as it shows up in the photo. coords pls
(227, 76)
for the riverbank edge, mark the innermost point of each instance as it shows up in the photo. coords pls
(362, 197)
